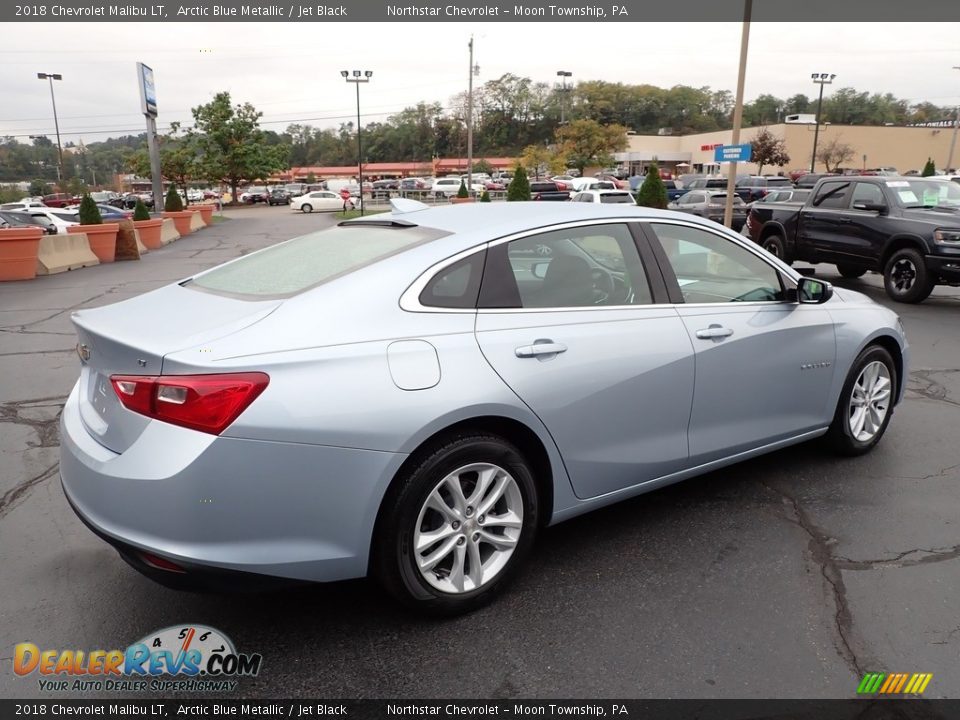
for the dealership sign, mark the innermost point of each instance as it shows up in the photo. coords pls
(733, 153)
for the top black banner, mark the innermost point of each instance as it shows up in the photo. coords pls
(472, 11)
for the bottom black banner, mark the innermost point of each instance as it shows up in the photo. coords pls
(871, 709)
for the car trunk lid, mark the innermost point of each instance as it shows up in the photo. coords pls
(132, 338)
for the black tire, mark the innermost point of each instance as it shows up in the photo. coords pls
(393, 560)
(840, 436)
(775, 245)
(306, 207)
(851, 272)
(905, 277)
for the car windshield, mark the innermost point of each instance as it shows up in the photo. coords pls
(616, 198)
(925, 193)
(304, 262)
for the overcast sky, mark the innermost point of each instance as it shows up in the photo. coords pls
(290, 71)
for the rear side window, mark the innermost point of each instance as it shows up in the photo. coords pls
(832, 195)
(456, 286)
(304, 262)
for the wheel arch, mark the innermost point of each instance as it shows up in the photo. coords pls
(890, 344)
(512, 430)
(898, 242)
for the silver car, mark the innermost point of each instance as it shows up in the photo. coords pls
(415, 395)
(710, 204)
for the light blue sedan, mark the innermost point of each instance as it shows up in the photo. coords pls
(415, 395)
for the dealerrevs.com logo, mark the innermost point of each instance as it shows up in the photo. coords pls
(177, 658)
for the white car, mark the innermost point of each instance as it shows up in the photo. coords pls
(58, 218)
(22, 205)
(607, 197)
(194, 195)
(321, 201)
(581, 184)
(450, 186)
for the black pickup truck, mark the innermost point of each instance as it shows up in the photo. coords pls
(548, 190)
(906, 228)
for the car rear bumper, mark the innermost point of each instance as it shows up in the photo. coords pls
(947, 268)
(223, 508)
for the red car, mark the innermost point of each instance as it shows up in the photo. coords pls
(60, 200)
(623, 184)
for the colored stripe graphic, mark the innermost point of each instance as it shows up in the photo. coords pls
(894, 683)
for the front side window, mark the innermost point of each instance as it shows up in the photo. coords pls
(588, 266)
(867, 193)
(713, 269)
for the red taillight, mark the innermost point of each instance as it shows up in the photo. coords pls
(155, 561)
(208, 403)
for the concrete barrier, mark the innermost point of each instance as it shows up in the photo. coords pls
(168, 233)
(196, 222)
(141, 248)
(59, 253)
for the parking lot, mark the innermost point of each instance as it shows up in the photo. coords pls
(786, 576)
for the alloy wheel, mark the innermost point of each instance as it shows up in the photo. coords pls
(468, 528)
(904, 274)
(869, 401)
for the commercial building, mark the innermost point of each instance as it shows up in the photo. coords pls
(904, 148)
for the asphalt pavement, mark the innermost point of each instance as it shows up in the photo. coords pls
(788, 576)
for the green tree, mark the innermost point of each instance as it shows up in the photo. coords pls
(482, 166)
(653, 193)
(587, 142)
(311, 179)
(39, 187)
(89, 212)
(519, 187)
(462, 192)
(768, 149)
(541, 156)
(173, 201)
(485, 197)
(140, 211)
(230, 145)
(929, 168)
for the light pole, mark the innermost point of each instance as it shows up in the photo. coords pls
(738, 111)
(953, 140)
(358, 77)
(51, 77)
(563, 75)
(821, 79)
(473, 70)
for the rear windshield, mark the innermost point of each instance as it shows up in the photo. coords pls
(616, 198)
(296, 265)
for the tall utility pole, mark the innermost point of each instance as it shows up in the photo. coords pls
(474, 70)
(358, 77)
(953, 140)
(821, 79)
(51, 77)
(738, 111)
(563, 75)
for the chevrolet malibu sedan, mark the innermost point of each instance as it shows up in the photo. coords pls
(415, 395)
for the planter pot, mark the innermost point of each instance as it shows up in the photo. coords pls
(149, 232)
(18, 253)
(458, 200)
(102, 239)
(206, 212)
(181, 220)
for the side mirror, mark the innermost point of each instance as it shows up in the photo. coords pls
(539, 269)
(872, 207)
(813, 292)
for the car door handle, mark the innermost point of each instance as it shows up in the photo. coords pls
(713, 332)
(540, 348)
(845, 221)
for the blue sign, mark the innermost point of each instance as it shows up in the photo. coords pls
(733, 153)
